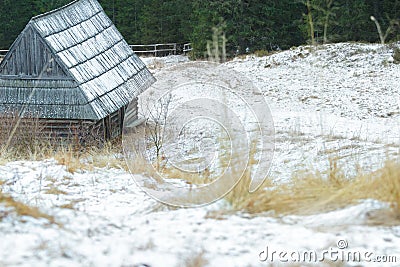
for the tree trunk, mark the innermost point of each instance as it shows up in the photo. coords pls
(328, 12)
(310, 21)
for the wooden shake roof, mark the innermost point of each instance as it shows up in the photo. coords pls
(71, 63)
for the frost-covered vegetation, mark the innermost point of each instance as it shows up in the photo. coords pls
(335, 176)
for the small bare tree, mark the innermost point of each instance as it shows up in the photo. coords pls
(310, 22)
(216, 49)
(383, 36)
(328, 14)
(319, 17)
(156, 123)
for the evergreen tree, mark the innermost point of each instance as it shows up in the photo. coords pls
(354, 23)
(14, 15)
(257, 24)
(42, 6)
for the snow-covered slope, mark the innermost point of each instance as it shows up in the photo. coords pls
(337, 100)
(112, 223)
(357, 81)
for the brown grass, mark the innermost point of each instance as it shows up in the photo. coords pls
(71, 205)
(29, 142)
(308, 192)
(55, 191)
(70, 158)
(200, 178)
(108, 156)
(73, 156)
(313, 192)
(22, 209)
(196, 260)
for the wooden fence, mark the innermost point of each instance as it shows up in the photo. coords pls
(160, 50)
(3, 54)
(157, 50)
(187, 48)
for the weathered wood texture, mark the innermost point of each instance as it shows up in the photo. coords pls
(32, 57)
(86, 131)
(72, 64)
(78, 131)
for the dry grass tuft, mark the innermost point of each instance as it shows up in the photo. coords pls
(30, 142)
(71, 205)
(314, 192)
(70, 158)
(55, 191)
(308, 192)
(107, 156)
(196, 260)
(27, 141)
(198, 178)
(24, 210)
(75, 158)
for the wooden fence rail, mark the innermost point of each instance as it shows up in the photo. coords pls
(157, 50)
(187, 48)
(3, 54)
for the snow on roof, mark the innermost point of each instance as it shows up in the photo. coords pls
(93, 54)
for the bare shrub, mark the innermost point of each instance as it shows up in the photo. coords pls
(216, 49)
(262, 53)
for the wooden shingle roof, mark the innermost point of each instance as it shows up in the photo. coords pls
(71, 63)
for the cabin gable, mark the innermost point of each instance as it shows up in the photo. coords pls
(31, 57)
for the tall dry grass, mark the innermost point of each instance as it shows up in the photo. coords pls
(20, 139)
(25, 139)
(75, 158)
(22, 209)
(313, 192)
(306, 193)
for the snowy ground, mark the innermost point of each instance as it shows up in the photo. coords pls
(338, 101)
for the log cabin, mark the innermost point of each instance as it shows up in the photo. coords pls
(72, 69)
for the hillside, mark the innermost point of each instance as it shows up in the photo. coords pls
(335, 102)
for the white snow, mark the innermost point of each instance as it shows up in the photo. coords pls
(335, 100)
(155, 63)
(340, 100)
